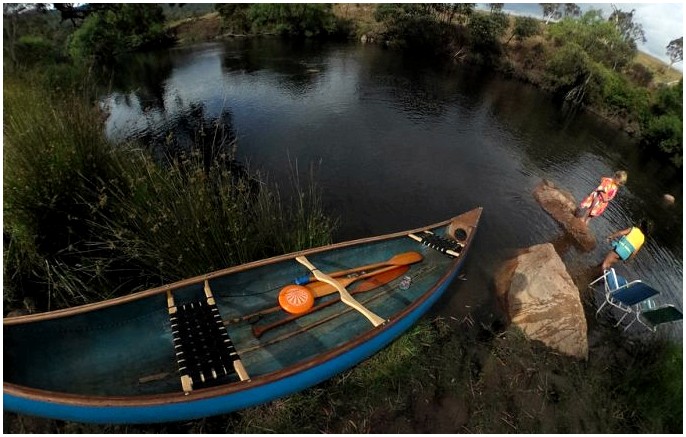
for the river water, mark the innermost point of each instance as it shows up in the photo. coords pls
(399, 142)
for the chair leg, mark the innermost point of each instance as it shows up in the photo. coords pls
(631, 323)
(621, 320)
(600, 308)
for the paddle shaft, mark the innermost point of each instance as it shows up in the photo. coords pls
(377, 281)
(400, 259)
(346, 298)
(320, 288)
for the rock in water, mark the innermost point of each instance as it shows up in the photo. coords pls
(560, 204)
(542, 300)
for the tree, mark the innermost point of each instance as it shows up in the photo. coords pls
(675, 51)
(118, 29)
(572, 10)
(550, 11)
(485, 30)
(496, 7)
(524, 27)
(295, 19)
(234, 16)
(598, 37)
(630, 31)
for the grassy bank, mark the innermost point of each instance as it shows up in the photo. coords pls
(85, 220)
(449, 376)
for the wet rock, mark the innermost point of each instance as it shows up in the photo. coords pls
(542, 300)
(560, 204)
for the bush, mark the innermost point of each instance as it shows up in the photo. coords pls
(32, 50)
(485, 31)
(302, 19)
(619, 96)
(569, 66)
(118, 29)
(414, 27)
(666, 132)
(640, 74)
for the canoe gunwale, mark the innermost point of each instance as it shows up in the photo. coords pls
(77, 400)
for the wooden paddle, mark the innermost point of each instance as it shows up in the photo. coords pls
(346, 298)
(320, 289)
(375, 281)
(400, 259)
(372, 281)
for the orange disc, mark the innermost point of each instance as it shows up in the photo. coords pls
(296, 299)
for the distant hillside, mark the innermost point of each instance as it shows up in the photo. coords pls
(663, 74)
(187, 10)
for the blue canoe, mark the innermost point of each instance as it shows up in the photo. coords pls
(192, 349)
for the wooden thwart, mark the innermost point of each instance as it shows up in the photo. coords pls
(346, 298)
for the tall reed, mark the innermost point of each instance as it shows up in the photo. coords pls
(86, 220)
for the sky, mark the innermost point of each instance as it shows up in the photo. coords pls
(661, 21)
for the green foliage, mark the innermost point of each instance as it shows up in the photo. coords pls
(525, 27)
(122, 28)
(293, 19)
(619, 96)
(35, 49)
(640, 74)
(600, 39)
(630, 31)
(663, 127)
(416, 26)
(666, 132)
(234, 17)
(485, 31)
(569, 66)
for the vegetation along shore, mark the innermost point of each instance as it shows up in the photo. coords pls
(86, 220)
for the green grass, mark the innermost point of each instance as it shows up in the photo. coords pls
(87, 220)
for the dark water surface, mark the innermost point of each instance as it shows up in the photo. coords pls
(399, 142)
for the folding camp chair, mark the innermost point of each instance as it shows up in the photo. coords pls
(651, 318)
(622, 294)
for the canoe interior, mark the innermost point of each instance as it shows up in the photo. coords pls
(127, 349)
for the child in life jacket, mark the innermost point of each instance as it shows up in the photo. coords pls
(595, 203)
(628, 245)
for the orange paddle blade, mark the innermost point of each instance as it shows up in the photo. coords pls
(381, 279)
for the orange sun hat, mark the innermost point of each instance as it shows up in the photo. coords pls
(296, 299)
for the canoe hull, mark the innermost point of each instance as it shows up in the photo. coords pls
(219, 400)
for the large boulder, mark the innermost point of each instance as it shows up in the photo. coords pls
(560, 204)
(542, 300)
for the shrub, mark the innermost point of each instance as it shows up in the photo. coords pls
(640, 74)
(32, 50)
(302, 19)
(485, 31)
(569, 66)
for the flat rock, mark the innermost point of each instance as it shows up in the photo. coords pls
(560, 204)
(542, 300)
